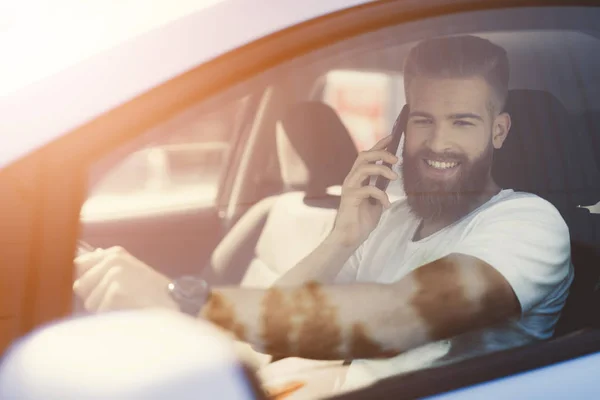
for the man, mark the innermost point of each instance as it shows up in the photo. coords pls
(461, 264)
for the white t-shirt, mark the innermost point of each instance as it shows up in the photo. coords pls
(521, 235)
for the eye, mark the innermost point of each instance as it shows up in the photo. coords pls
(421, 121)
(462, 123)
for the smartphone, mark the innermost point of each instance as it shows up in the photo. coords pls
(397, 131)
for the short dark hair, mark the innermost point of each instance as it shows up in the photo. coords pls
(460, 57)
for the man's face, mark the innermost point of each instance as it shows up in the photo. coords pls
(449, 142)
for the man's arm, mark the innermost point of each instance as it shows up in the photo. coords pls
(455, 294)
(355, 219)
(322, 265)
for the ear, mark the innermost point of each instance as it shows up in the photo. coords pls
(500, 130)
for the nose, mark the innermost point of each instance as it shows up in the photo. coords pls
(438, 140)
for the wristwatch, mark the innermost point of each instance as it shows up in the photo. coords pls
(190, 292)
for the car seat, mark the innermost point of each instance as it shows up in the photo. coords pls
(543, 154)
(316, 152)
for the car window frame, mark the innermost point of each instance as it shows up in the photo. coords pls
(155, 138)
(484, 369)
(178, 93)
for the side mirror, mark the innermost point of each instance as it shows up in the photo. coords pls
(150, 354)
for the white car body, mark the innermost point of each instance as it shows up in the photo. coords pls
(69, 65)
(66, 69)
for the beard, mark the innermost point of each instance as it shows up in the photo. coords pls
(449, 199)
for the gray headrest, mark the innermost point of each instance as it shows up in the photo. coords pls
(544, 154)
(315, 148)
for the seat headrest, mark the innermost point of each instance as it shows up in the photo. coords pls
(544, 154)
(314, 147)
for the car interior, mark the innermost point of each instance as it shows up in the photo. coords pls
(551, 151)
(261, 246)
(290, 146)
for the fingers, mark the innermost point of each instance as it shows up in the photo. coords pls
(119, 281)
(360, 194)
(380, 145)
(366, 157)
(84, 286)
(359, 177)
(95, 268)
(107, 303)
(94, 300)
(86, 261)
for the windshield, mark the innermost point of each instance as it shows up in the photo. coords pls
(332, 258)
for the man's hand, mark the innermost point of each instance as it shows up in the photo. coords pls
(356, 217)
(113, 279)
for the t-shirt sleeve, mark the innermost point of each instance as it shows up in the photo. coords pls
(527, 241)
(349, 271)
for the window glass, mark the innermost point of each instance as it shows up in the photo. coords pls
(541, 148)
(179, 169)
(367, 102)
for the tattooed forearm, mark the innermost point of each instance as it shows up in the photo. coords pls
(437, 301)
(306, 321)
(220, 311)
(301, 322)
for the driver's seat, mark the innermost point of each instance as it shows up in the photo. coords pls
(316, 152)
(543, 154)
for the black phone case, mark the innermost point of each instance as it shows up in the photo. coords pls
(397, 132)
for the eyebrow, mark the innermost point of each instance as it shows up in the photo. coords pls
(420, 114)
(423, 114)
(466, 116)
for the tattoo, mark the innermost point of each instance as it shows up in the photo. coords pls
(320, 336)
(220, 311)
(460, 276)
(276, 323)
(362, 346)
(437, 301)
(302, 324)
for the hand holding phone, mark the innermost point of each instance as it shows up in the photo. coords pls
(356, 218)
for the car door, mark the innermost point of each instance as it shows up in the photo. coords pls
(362, 32)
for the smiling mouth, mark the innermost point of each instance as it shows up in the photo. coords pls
(441, 165)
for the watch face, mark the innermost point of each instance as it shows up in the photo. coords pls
(191, 287)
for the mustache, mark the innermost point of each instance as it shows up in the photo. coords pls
(447, 156)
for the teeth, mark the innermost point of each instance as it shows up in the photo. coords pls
(441, 165)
